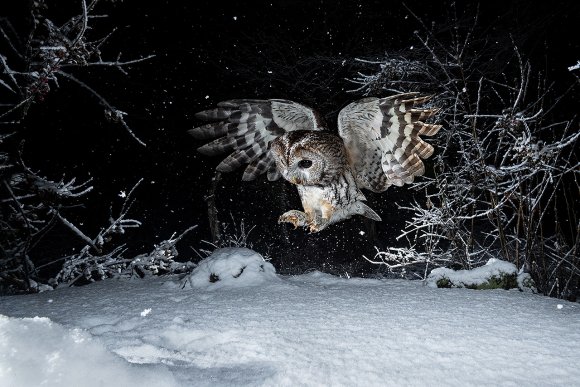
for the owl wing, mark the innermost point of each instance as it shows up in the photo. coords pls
(381, 136)
(246, 127)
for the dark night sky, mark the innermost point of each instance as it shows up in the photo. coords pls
(224, 50)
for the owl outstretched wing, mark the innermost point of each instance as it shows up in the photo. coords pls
(381, 136)
(246, 127)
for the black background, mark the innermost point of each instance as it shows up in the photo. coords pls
(209, 51)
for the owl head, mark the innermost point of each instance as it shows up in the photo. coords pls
(306, 157)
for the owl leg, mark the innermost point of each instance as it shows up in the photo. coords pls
(304, 219)
(318, 224)
(297, 218)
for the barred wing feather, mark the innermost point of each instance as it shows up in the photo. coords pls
(246, 127)
(381, 136)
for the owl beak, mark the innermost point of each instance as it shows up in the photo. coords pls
(295, 180)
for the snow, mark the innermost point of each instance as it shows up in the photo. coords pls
(269, 330)
(232, 268)
(574, 67)
(475, 277)
(38, 352)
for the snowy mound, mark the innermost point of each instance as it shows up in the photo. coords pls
(38, 352)
(495, 274)
(232, 268)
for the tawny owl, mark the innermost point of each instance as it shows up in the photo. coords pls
(379, 146)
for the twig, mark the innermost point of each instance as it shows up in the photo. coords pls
(116, 114)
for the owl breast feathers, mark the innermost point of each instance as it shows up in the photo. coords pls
(379, 146)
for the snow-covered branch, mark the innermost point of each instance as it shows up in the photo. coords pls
(49, 49)
(574, 67)
(88, 267)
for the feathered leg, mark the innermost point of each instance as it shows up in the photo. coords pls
(297, 218)
(329, 204)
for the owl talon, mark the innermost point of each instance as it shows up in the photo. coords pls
(295, 217)
(317, 226)
(290, 219)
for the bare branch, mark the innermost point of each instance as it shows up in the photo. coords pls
(115, 114)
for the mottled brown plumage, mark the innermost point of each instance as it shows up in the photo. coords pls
(379, 146)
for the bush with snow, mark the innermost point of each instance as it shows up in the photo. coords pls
(86, 267)
(495, 274)
(505, 165)
(42, 53)
(232, 267)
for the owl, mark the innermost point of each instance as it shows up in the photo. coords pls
(378, 145)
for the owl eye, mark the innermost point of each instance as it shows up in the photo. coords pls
(305, 164)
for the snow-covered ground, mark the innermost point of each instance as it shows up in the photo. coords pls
(252, 327)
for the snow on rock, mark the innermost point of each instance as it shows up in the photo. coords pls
(38, 352)
(493, 275)
(232, 267)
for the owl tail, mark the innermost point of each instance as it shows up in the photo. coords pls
(368, 212)
(364, 210)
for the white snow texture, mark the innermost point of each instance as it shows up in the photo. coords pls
(232, 268)
(37, 352)
(259, 329)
